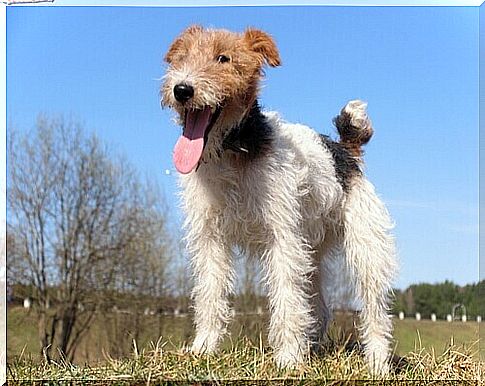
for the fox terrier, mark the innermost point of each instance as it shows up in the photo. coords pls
(255, 184)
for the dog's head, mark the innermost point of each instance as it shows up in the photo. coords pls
(212, 82)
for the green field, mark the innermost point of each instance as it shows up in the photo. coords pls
(409, 335)
(425, 345)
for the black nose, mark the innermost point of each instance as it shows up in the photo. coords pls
(183, 92)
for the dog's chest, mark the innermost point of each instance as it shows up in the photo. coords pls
(241, 196)
(240, 192)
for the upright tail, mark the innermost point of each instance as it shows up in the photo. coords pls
(354, 126)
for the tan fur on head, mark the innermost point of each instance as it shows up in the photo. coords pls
(264, 45)
(178, 43)
(224, 68)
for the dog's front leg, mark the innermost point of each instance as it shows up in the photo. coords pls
(288, 265)
(214, 276)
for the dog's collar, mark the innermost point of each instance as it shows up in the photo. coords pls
(249, 136)
(232, 141)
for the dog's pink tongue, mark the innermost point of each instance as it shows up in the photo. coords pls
(189, 147)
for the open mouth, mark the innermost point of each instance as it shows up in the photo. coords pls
(190, 146)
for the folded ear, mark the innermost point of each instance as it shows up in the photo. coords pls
(263, 44)
(178, 42)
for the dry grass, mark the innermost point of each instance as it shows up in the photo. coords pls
(161, 364)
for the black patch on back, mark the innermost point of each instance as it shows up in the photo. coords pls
(346, 166)
(252, 137)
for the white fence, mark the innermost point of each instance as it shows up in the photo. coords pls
(449, 318)
(259, 311)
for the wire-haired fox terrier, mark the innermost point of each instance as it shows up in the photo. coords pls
(276, 191)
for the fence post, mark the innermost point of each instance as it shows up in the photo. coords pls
(27, 303)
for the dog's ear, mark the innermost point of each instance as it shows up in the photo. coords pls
(178, 42)
(262, 44)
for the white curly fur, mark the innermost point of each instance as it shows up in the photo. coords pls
(288, 209)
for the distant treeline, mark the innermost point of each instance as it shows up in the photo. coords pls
(246, 302)
(440, 299)
(424, 298)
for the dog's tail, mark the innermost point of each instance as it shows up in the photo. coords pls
(354, 126)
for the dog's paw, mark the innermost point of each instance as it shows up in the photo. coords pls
(287, 359)
(377, 362)
(379, 369)
(204, 344)
(199, 348)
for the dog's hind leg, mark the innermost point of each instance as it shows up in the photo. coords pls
(370, 255)
(322, 312)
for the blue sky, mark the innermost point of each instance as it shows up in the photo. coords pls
(416, 66)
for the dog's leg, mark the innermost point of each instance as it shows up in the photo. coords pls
(214, 277)
(288, 266)
(320, 308)
(370, 254)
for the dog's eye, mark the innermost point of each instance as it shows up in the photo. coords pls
(223, 59)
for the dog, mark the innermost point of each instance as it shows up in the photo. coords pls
(276, 191)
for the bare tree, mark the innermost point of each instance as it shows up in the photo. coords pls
(147, 253)
(82, 224)
(143, 275)
(17, 267)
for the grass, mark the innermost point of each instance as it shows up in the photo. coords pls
(411, 335)
(246, 362)
(433, 350)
